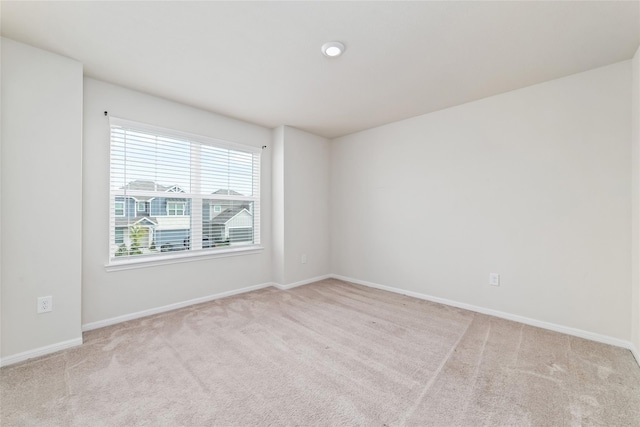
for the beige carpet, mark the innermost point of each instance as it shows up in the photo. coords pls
(325, 354)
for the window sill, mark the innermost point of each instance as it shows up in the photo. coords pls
(155, 260)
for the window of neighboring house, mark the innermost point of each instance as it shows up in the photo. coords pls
(119, 236)
(215, 210)
(119, 209)
(149, 162)
(176, 208)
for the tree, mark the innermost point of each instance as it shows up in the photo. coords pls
(136, 233)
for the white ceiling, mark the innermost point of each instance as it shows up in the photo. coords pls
(261, 61)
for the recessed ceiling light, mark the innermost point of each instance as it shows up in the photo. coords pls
(332, 49)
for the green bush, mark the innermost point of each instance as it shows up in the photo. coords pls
(122, 250)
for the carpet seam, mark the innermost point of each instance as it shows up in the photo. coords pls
(432, 380)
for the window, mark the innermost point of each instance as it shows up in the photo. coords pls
(214, 210)
(184, 179)
(119, 236)
(119, 209)
(176, 208)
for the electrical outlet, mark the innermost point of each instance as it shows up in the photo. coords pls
(494, 279)
(45, 304)
(303, 259)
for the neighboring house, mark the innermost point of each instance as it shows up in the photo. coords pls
(165, 222)
(213, 208)
(233, 224)
(227, 221)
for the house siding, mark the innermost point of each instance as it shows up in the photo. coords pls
(158, 207)
(242, 220)
(129, 206)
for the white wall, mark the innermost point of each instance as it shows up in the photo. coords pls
(307, 231)
(0, 200)
(635, 198)
(107, 295)
(301, 205)
(532, 184)
(41, 198)
(277, 153)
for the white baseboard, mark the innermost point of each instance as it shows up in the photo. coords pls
(144, 313)
(521, 319)
(42, 351)
(137, 315)
(636, 353)
(514, 317)
(302, 282)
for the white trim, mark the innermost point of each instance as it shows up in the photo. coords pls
(173, 189)
(144, 313)
(42, 351)
(514, 317)
(303, 282)
(144, 218)
(636, 353)
(141, 261)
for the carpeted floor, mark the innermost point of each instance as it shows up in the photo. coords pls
(326, 354)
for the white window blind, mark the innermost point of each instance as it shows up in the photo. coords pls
(200, 194)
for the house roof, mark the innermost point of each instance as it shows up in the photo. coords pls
(224, 216)
(144, 185)
(128, 222)
(227, 192)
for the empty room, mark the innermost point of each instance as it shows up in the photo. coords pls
(320, 213)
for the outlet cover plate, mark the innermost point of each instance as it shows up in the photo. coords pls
(45, 304)
(494, 279)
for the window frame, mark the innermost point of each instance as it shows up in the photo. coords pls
(124, 208)
(184, 208)
(116, 236)
(193, 199)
